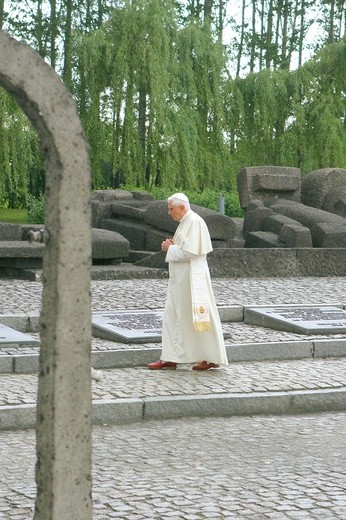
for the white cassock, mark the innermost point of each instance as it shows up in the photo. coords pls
(191, 329)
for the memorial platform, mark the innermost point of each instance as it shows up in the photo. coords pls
(270, 371)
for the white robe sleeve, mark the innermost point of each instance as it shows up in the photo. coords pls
(175, 254)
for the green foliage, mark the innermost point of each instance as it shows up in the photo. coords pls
(291, 118)
(13, 216)
(160, 109)
(35, 210)
(19, 153)
(207, 198)
(154, 97)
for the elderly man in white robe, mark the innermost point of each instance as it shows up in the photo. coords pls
(191, 329)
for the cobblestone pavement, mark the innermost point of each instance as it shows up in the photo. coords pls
(275, 467)
(241, 378)
(18, 296)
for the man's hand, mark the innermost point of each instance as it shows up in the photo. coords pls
(166, 243)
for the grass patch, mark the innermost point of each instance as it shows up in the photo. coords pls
(13, 216)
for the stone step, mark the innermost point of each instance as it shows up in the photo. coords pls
(122, 271)
(244, 342)
(137, 394)
(26, 360)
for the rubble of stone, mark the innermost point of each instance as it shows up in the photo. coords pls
(145, 222)
(266, 182)
(325, 189)
(317, 220)
(281, 212)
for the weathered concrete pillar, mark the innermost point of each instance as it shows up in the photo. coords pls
(63, 472)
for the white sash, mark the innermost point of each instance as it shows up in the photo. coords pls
(199, 296)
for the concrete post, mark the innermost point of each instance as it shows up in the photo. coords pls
(222, 203)
(63, 472)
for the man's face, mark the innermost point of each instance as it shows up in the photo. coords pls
(176, 212)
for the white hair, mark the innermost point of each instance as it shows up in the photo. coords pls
(179, 199)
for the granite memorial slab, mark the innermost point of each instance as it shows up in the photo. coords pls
(141, 326)
(300, 319)
(137, 326)
(11, 336)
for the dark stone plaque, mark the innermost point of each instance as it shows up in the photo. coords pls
(11, 336)
(129, 326)
(301, 319)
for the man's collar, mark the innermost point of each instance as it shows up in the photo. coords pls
(189, 211)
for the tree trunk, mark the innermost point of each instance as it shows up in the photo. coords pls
(220, 21)
(142, 109)
(39, 29)
(269, 35)
(241, 41)
(253, 38)
(301, 33)
(293, 41)
(100, 13)
(285, 15)
(53, 32)
(67, 70)
(331, 22)
(208, 11)
(1, 13)
(261, 49)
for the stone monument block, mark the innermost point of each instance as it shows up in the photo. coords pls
(335, 201)
(133, 232)
(110, 196)
(257, 262)
(157, 216)
(306, 215)
(262, 239)
(317, 184)
(275, 222)
(295, 235)
(10, 231)
(311, 319)
(321, 262)
(135, 211)
(8, 335)
(109, 245)
(99, 211)
(154, 260)
(140, 326)
(329, 235)
(254, 218)
(274, 182)
(154, 238)
(220, 227)
(267, 182)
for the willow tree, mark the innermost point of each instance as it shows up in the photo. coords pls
(290, 118)
(19, 154)
(327, 107)
(275, 33)
(152, 99)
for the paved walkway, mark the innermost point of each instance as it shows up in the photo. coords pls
(258, 466)
(273, 467)
(19, 296)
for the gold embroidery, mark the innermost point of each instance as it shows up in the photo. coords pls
(201, 320)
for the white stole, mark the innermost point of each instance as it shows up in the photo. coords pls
(199, 295)
(193, 240)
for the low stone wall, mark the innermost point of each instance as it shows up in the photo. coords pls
(258, 263)
(107, 246)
